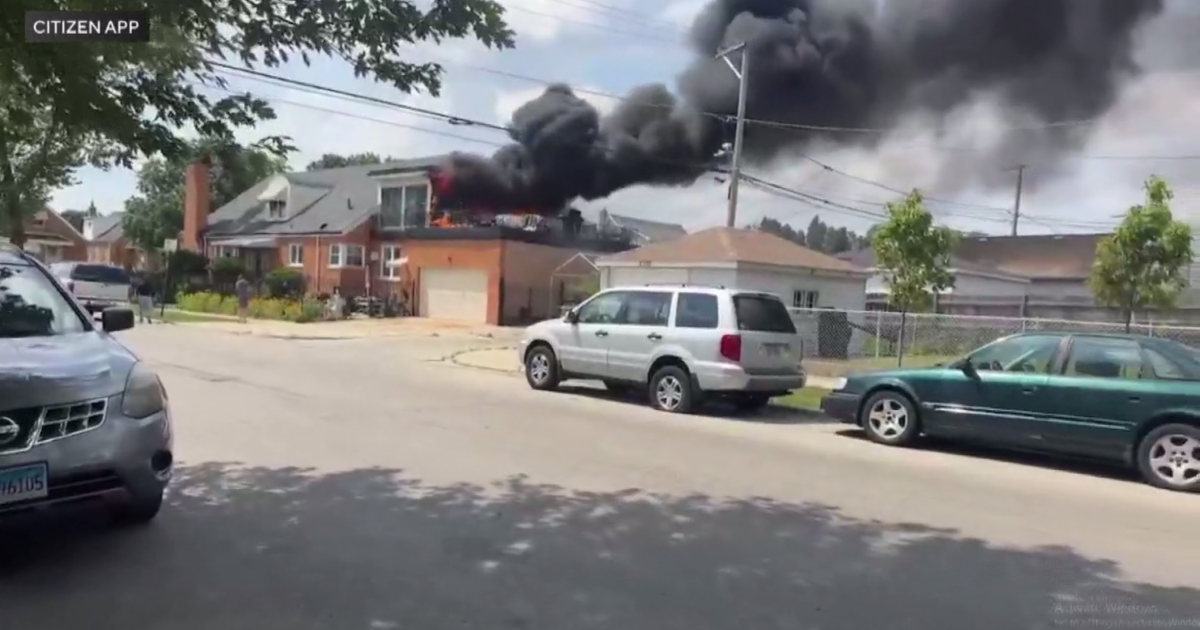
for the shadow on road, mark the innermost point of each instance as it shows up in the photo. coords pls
(1093, 468)
(769, 415)
(265, 549)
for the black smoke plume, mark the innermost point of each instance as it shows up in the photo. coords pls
(826, 63)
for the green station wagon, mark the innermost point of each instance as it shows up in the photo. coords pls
(1121, 398)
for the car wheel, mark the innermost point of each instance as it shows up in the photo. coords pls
(139, 509)
(671, 390)
(890, 418)
(1169, 457)
(750, 402)
(541, 368)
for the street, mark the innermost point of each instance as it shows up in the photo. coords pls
(366, 484)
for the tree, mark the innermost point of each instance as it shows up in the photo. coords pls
(66, 105)
(333, 160)
(815, 234)
(156, 212)
(1143, 264)
(913, 255)
(75, 218)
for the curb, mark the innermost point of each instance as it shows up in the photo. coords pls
(453, 358)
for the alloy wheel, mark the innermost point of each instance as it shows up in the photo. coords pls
(888, 418)
(1175, 459)
(539, 368)
(669, 393)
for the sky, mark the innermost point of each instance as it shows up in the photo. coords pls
(605, 47)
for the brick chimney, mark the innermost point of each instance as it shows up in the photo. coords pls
(196, 202)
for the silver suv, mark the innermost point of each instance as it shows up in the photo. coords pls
(80, 416)
(681, 344)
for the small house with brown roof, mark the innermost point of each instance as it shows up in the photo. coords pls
(746, 259)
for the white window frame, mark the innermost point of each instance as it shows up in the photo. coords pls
(805, 298)
(404, 185)
(339, 255)
(295, 254)
(276, 209)
(227, 251)
(387, 254)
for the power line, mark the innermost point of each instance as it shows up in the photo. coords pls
(305, 86)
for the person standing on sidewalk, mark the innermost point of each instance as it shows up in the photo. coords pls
(145, 300)
(242, 288)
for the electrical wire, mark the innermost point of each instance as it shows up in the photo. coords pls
(313, 88)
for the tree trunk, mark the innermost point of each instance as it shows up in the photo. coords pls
(900, 338)
(14, 217)
(1128, 319)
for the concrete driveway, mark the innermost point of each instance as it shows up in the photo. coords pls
(363, 484)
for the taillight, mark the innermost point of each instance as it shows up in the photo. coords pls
(731, 347)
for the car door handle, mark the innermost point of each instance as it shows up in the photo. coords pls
(1135, 399)
(1029, 389)
(654, 336)
(601, 333)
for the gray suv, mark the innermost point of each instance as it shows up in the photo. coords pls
(680, 345)
(80, 416)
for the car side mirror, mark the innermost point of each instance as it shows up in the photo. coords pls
(572, 317)
(968, 368)
(116, 319)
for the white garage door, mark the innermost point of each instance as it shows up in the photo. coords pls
(454, 293)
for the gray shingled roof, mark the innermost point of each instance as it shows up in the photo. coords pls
(865, 259)
(339, 198)
(654, 231)
(107, 228)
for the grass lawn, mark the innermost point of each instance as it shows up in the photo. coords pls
(183, 317)
(841, 368)
(807, 398)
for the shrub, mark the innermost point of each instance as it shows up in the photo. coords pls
(225, 270)
(300, 311)
(188, 263)
(285, 283)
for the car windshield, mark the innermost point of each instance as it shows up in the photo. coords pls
(32, 306)
(762, 313)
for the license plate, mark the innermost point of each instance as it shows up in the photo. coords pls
(774, 349)
(22, 483)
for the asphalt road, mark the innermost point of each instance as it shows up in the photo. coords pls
(359, 485)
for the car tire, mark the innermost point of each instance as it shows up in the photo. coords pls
(1169, 457)
(139, 509)
(671, 390)
(750, 402)
(889, 417)
(541, 368)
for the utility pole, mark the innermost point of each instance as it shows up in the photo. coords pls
(735, 165)
(1017, 201)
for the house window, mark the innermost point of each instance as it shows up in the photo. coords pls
(343, 255)
(296, 255)
(390, 253)
(276, 208)
(804, 299)
(225, 251)
(404, 206)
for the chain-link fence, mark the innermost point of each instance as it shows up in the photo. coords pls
(880, 339)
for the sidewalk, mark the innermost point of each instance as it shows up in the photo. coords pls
(358, 329)
(505, 360)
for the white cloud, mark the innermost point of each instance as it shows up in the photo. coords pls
(544, 21)
(508, 102)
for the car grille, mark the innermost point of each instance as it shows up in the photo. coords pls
(38, 425)
(66, 420)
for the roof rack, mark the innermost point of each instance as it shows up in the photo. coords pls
(685, 285)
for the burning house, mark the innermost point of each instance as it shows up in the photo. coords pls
(400, 229)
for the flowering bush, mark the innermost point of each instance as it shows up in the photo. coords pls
(300, 311)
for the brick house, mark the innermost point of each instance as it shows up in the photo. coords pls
(52, 238)
(107, 243)
(369, 230)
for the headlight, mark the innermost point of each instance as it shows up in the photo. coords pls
(840, 383)
(144, 394)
